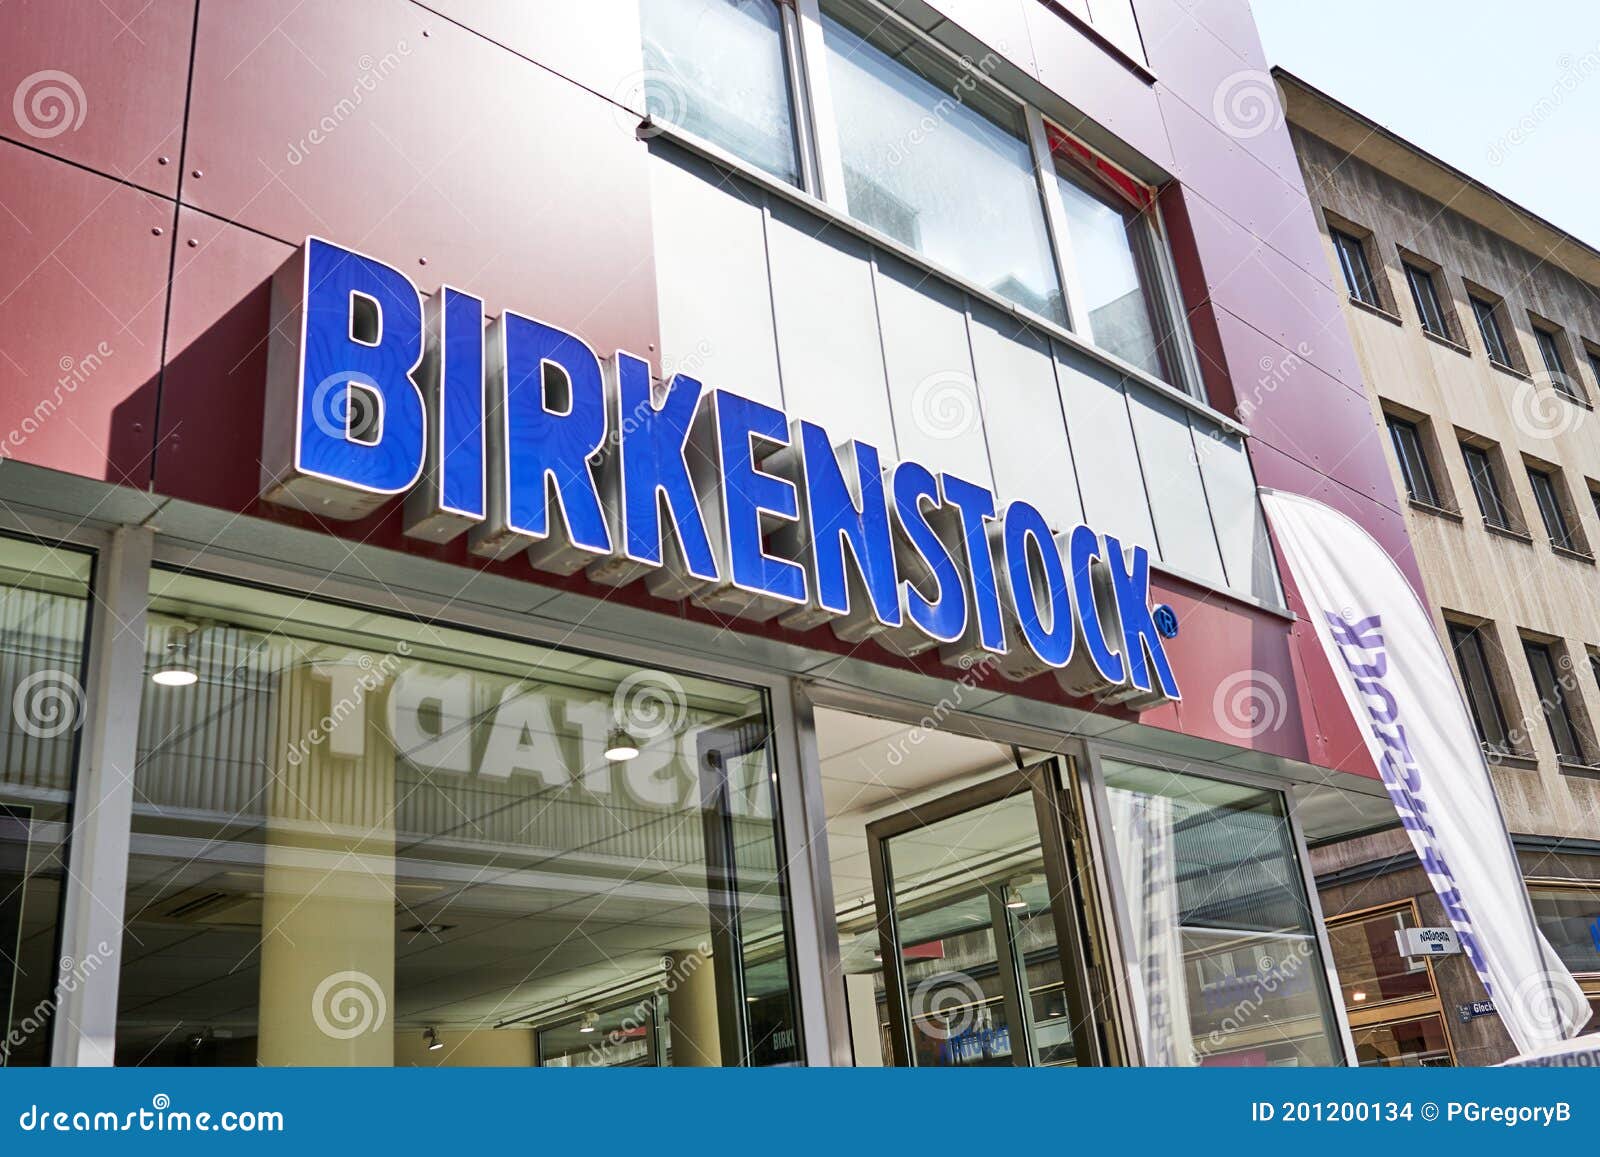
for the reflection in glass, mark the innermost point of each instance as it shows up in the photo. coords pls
(43, 603)
(938, 163)
(1570, 919)
(1369, 963)
(1111, 254)
(978, 942)
(1419, 1043)
(1224, 952)
(716, 68)
(355, 836)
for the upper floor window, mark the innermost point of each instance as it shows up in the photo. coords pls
(1477, 679)
(1550, 509)
(716, 68)
(1494, 341)
(1413, 462)
(1555, 363)
(1425, 295)
(1485, 486)
(1593, 359)
(1357, 269)
(939, 163)
(1113, 260)
(1553, 702)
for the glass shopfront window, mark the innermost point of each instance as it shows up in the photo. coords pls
(937, 162)
(366, 840)
(1225, 960)
(1367, 958)
(1569, 916)
(43, 610)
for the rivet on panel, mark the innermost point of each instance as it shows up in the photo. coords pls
(193, 243)
(422, 261)
(163, 161)
(155, 232)
(196, 173)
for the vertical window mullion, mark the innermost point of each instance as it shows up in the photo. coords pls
(813, 79)
(1055, 214)
(800, 99)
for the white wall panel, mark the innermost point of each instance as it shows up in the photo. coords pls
(1241, 529)
(1172, 480)
(938, 418)
(829, 350)
(711, 278)
(1109, 479)
(1022, 416)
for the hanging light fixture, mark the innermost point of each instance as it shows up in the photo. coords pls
(591, 1021)
(177, 668)
(430, 1037)
(620, 746)
(1015, 900)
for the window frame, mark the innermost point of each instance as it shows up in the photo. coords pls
(1487, 311)
(1344, 237)
(1489, 475)
(1398, 424)
(1545, 480)
(1559, 364)
(1469, 636)
(1415, 270)
(1553, 700)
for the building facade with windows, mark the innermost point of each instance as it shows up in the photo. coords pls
(663, 532)
(1478, 331)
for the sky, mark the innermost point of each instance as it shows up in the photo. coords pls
(1509, 93)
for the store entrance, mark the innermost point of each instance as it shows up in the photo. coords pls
(977, 922)
(963, 935)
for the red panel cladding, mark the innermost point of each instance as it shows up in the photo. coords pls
(448, 156)
(213, 389)
(83, 290)
(1235, 667)
(99, 83)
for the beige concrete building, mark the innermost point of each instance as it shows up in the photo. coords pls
(1477, 328)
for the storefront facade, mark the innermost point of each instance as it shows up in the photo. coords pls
(677, 532)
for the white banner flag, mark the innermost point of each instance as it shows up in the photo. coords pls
(1397, 681)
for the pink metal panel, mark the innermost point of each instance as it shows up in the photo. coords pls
(99, 83)
(216, 362)
(446, 155)
(595, 43)
(82, 290)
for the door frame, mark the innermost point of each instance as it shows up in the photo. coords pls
(1054, 817)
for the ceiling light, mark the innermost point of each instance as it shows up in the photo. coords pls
(1358, 995)
(620, 746)
(176, 669)
(430, 1037)
(1014, 898)
(591, 1021)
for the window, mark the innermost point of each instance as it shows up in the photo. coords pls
(1482, 700)
(1221, 926)
(1567, 916)
(1357, 271)
(1594, 361)
(355, 834)
(1113, 256)
(1553, 701)
(1367, 958)
(1555, 519)
(1425, 295)
(43, 606)
(716, 68)
(1413, 462)
(1494, 342)
(1485, 487)
(1556, 365)
(938, 163)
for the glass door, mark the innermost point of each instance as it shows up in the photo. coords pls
(979, 928)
